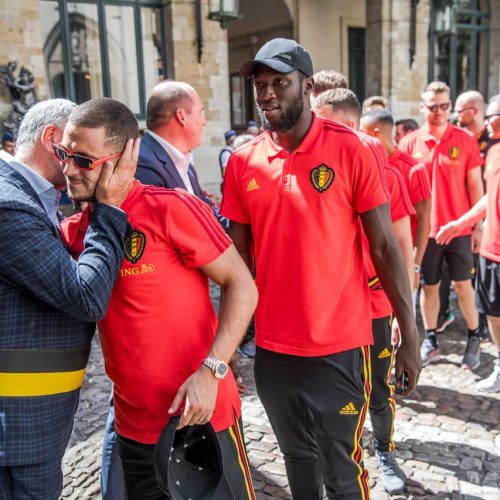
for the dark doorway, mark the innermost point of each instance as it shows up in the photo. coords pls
(357, 61)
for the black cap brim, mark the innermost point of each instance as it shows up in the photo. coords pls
(281, 67)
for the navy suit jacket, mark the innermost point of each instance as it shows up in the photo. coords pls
(156, 168)
(48, 301)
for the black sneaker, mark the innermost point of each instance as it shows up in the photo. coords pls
(472, 353)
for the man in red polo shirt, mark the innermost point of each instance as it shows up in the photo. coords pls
(488, 272)
(342, 106)
(453, 162)
(301, 193)
(162, 345)
(380, 124)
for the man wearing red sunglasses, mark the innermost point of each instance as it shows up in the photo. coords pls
(165, 352)
(453, 161)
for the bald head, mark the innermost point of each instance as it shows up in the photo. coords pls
(470, 98)
(165, 99)
(469, 110)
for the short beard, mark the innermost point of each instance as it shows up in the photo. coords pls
(289, 118)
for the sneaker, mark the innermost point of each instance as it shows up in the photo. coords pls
(444, 320)
(491, 383)
(393, 478)
(472, 353)
(429, 353)
(247, 349)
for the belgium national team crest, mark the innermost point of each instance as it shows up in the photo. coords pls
(454, 152)
(135, 243)
(322, 177)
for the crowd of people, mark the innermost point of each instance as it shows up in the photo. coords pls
(334, 217)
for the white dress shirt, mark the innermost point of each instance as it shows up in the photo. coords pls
(181, 161)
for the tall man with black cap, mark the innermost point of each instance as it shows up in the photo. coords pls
(298, 193)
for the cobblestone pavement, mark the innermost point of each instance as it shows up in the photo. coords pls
(447, 434)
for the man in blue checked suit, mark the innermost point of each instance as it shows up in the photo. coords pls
(49, 302)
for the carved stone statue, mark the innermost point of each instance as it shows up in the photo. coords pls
(22, 90)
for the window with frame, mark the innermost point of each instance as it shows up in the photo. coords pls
(96, 48)
(459, 44)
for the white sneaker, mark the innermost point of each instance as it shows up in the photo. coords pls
(491, 383)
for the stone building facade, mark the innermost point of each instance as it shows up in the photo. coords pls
(368, 40)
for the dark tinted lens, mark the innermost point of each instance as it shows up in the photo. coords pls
(433, 108)
(82, 162)
(444, 106)
(60, 153)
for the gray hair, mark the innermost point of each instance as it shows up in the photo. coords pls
(50, 112)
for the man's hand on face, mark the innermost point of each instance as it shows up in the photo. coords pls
(408, 358)
(200, 393)
(115, 183)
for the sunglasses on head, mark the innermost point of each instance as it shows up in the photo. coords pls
(82, 162)
(434, 107)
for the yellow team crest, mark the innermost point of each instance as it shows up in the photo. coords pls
(135, 243)
(454, 152)
(418, 155)
(322, 177)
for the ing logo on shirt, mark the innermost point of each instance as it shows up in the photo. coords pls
(322, 177)
(454, 152)
(135, 243)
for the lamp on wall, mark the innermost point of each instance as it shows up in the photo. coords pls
(224, 11)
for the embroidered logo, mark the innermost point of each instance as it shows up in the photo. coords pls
(349, 409)
(322, 177)
(418, 155)
(454, 152)
(252, 185)
(384, 354)
(135, 243)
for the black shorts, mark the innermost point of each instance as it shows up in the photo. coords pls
(458, 256)
(488, 287)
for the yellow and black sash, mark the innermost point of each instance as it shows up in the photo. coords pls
(41, 372)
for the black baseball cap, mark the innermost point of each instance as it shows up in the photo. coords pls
(281, 55)
(188, 463)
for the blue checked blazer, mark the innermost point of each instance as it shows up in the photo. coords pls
(48, 301)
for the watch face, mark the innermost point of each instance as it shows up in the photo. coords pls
(221, 369)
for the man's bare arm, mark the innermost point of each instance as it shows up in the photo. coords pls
(422, 231)
(238, 305)
(388, 262)
(447, 232)
(475, 187)
(402, 231)
(241, 234)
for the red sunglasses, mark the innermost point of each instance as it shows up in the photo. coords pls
(80, 161)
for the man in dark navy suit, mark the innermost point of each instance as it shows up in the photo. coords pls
(175, 120)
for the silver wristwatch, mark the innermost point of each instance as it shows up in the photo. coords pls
(218, 367)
